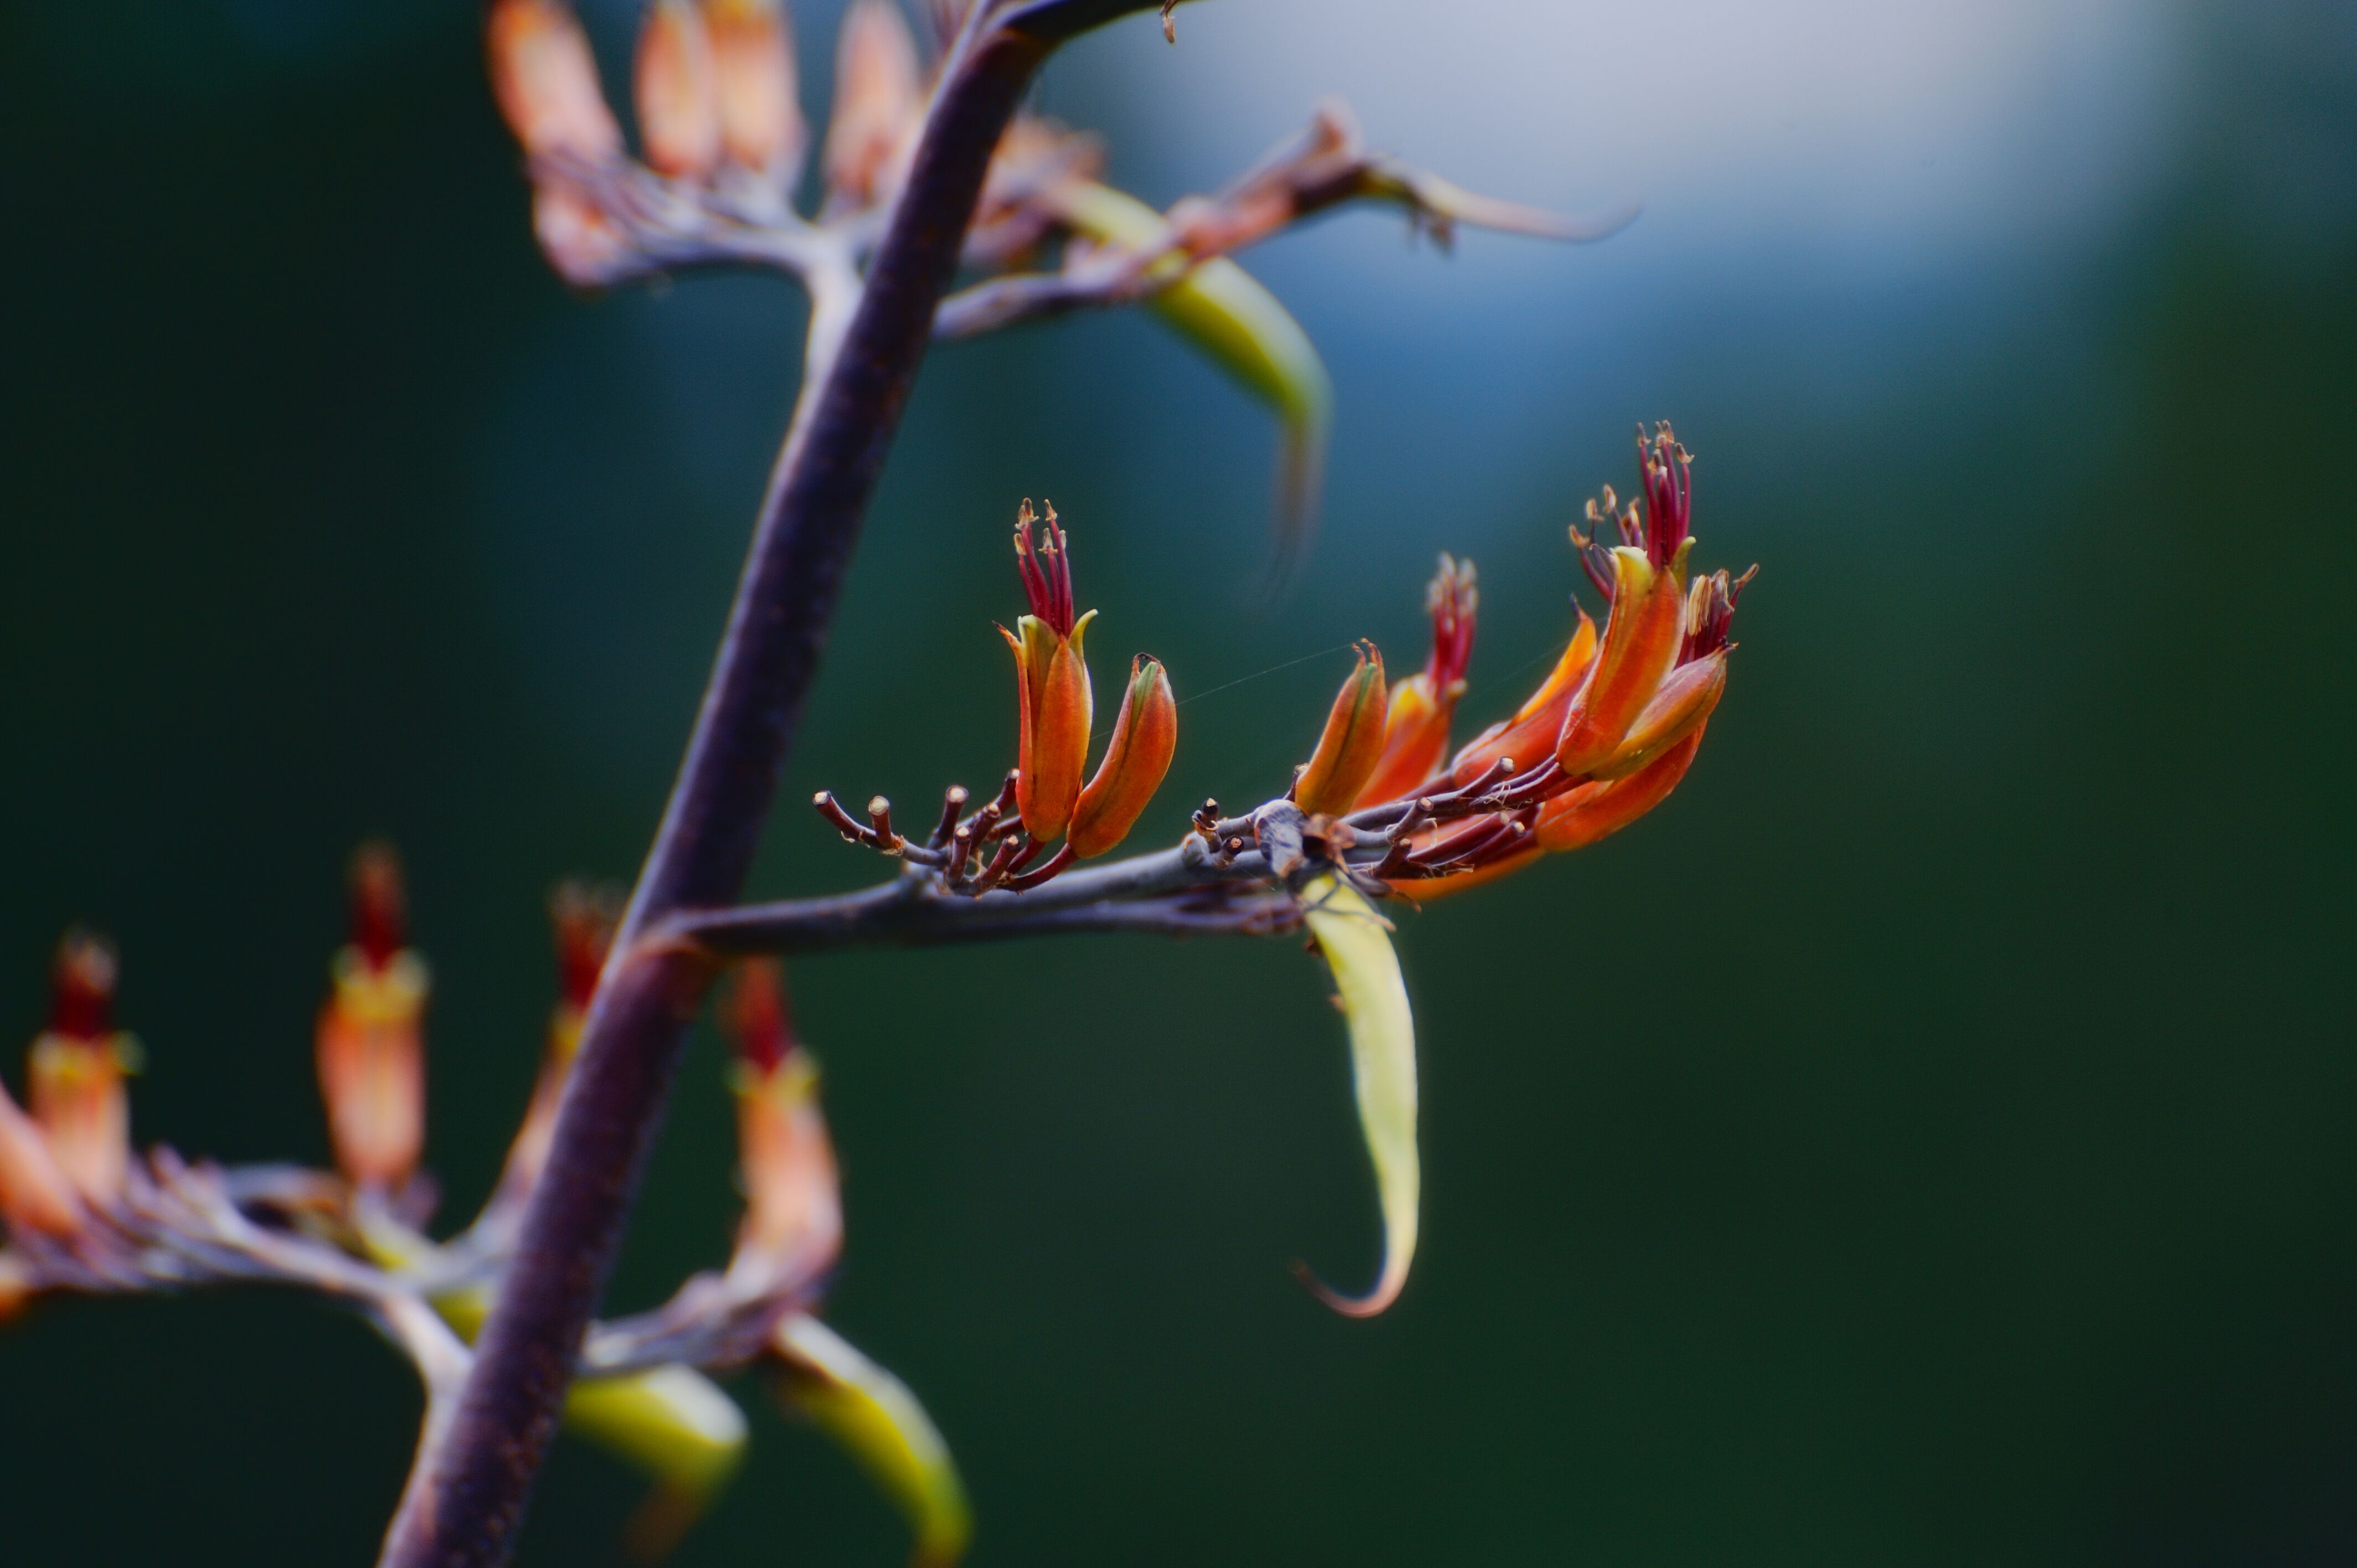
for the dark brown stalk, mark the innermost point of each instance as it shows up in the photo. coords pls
(463, 1506)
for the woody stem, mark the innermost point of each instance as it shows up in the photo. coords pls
(463, 1509)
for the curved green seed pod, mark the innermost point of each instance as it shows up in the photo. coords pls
(1225, 312)
(1357, 945)
(875, 1418)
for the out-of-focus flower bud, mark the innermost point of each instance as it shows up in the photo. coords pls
(760, 105)
(678, 95)
(793, 1211)
(370, 1051)
(1578, 817)
(878, 103)
(1531, 733)
(34, 1196)
(584, 917)
(76, 1070)
(1145, 737)
(1055, 705)
(546, 81)
(1352, 743)
(1416, 730)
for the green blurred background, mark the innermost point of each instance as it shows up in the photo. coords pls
(1925, 1140)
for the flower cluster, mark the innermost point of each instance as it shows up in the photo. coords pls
(1055, 707)
(1603, 740)
(84, 1213)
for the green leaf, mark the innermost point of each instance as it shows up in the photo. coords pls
(1357, 945)
(872, 1414)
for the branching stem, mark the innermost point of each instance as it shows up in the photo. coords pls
(464, 1510)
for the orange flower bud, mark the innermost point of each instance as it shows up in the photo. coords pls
(877, 102)
(1530, 734)
(1352, 743)
(76, 1068)
(370, 1052)
(1591, 811)
(794, 1214)
(1054, 703)
(760, 105)
(546, 81)
(34, 1196)
(1422, 707)
(1641, 638)
(1145, 737)
(678, 97)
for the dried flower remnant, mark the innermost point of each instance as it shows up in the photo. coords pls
(76, 1069)
(370, 1047)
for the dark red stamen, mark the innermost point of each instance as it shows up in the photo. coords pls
(1046, 570)
(82, 988)
(1708, 635)
(380, 904)
(755, 1020)
(1451, 600)
(1667, 470)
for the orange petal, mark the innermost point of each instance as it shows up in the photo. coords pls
(34, 1193)
(1051, 783)
(753, 63)
(1579, 819)
(546, 80)
(1352, 743)
(678, 92)
(1641, 639)
(1530, 734)
(1416, 734)
(1145, 737)
(1683, 704)
(75, 1090)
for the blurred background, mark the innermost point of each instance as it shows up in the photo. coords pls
(1926, 1138)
